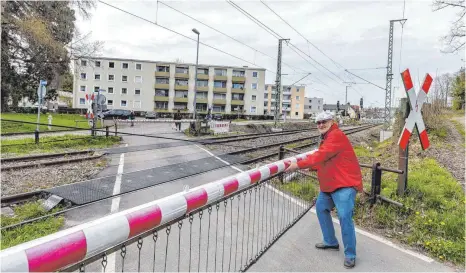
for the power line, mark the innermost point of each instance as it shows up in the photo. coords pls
(370, 68)
(366, 80)
(234, 39)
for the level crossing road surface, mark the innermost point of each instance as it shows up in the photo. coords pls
(294, 251)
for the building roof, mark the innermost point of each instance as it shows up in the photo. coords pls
(176, 63)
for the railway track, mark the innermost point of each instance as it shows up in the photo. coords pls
(20, 198)
(218, 140)
(15, 163)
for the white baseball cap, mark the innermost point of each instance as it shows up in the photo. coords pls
(324, 116)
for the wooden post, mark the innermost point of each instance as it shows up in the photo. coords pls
(403, 154)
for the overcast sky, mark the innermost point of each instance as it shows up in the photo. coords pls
(353, 33)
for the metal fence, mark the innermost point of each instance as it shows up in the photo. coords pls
(221, 226)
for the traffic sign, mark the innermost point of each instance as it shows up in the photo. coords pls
(415, 116)
(90, 100)
(43, 82)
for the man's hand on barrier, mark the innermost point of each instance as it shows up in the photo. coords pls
(293, 167)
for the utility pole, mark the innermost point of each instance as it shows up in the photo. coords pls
(278, 81)
(346, 94)
(388, 87)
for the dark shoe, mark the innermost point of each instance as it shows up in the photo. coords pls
(350, 262)
(322, 246)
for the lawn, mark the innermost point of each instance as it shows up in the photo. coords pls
(31, 231)
(56, 144)
(57, 119)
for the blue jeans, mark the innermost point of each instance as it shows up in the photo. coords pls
(343, 199)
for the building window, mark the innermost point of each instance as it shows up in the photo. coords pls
(82, 88)
(254, 86)
(253, 97)
(123, 103)
(297, 105)
(97, 77)
(110, 90)
(203, 71)
(163, 69)
(297, 97)
(253, 109)
(111, 78)
(202, 83)
(238, 73)
(124, 91)
(97, 63)
(83, 76)
(238, 86)
(82, 101)
(83, 63)
(161, 80)
(220, 84)
(138, 79)
(254, 74)
(161, 92)
(181, 70)
(124, 78)
(138, 66)
(96, 88)
(181, 82)
(109, 102)
(220, 96)
(296, 114)
(137, 91)
(237, 96)
(124, 65)
(137, 104)
(310, 101)
(220, 72)
(111, 64)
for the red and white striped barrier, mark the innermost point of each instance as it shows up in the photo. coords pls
(89, 100)
(67, 247)
(415, 115)
(154, 120)
(220, 127)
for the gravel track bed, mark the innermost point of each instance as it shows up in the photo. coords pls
(43, 160)
(264, 140)
(31, 179)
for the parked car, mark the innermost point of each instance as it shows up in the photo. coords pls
(117, 113)
(217, 117)
(151, 115)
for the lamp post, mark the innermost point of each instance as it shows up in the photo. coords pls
(195, 72)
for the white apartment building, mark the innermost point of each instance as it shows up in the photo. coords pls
(313, 105)
(291, 98)
(142, 85)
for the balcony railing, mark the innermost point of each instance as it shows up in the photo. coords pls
(161, 98)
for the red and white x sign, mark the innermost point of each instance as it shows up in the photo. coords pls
(415, 116)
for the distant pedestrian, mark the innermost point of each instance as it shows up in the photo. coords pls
(340, 179)
(131, 117)
(177, 117)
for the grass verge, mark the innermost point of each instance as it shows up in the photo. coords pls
(57, 119)
(56, 144)
(459, 127)
(31, 231)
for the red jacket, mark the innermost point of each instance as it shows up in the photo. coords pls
(335, 161)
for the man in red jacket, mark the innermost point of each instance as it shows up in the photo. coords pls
(340, 179)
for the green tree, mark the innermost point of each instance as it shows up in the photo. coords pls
(458, 90)
(37, 44)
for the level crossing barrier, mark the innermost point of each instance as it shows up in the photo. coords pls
(224, 225)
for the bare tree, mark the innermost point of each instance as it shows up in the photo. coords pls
(455, 40)
(442, 89)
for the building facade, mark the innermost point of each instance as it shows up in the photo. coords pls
(291, 98)
(313, 105)
(165, 87)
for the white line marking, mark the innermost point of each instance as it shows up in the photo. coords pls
(207, 151)
(116, 206)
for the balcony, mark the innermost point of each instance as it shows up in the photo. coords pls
(220, 78)
(238, 79)
(161, 110)
(220, 89)
(162, 74)
(202, 88)
(161, 98)
(237, 102)
(161, 86)
(180, 99)
(201, 100)
(220, 101)
(181, 87)
(202, 76)
(237, 90)
(182, 75)
(286, 100)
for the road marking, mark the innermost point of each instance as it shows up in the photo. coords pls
(211, 154)
(116, 206)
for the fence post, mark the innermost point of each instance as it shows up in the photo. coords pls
(403, 154)
(106, 131)
(376, 182)
(36, 136)
(116, 128)
(281, 155)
